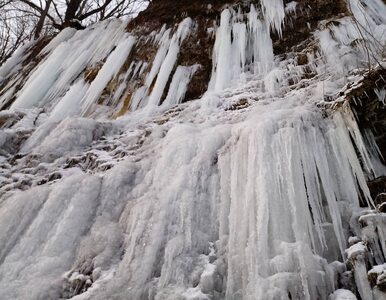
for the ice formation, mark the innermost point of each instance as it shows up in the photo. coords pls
(240, 45)
(102, 49)
(250, 192)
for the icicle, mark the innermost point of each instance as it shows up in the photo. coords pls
(273, 11)
(162, 68)
(222, 54)
(169, 61)
(70, 53)
(179, 85)
(263, 181)
(70, 103)
(290, 7)
(381, 94)
(110, 69)
(240, 45)
(261, 43)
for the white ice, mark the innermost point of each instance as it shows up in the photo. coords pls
(246, 193)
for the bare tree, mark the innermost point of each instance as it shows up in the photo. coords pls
(21, 20)
(72, 13)
(42, 18)
(15, 29)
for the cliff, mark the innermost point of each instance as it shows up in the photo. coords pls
(204, 150)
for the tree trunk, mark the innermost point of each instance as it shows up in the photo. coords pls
(69, 18)
(39, 26)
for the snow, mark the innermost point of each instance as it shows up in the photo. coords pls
(342, 294)
(379, 272)
(353, 240)
(356, 250)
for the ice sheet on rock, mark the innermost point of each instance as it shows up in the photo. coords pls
(163, 41)
(365, 30)
(169, 61)
(375, 153)
(180, 201)
(53, 139)
(375, 234)
(33, 268)
(238, 196)
(66, 61)
(369, 12)
(13, 64)
(191, 185)
(62, 37)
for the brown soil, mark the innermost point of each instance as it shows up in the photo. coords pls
(172, 12)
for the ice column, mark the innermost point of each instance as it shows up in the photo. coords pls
(243, 44)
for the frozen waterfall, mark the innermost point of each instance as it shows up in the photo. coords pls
(245, 193)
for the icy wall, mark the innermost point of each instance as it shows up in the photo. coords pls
(112, 188)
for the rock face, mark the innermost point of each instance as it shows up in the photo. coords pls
(195, 48)
(205, 150)
(368, 100)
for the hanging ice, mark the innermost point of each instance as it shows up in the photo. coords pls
(179, 85)
(274, 13)
(66, 62)
(163, 66)
(110, 69)
(242, 47)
